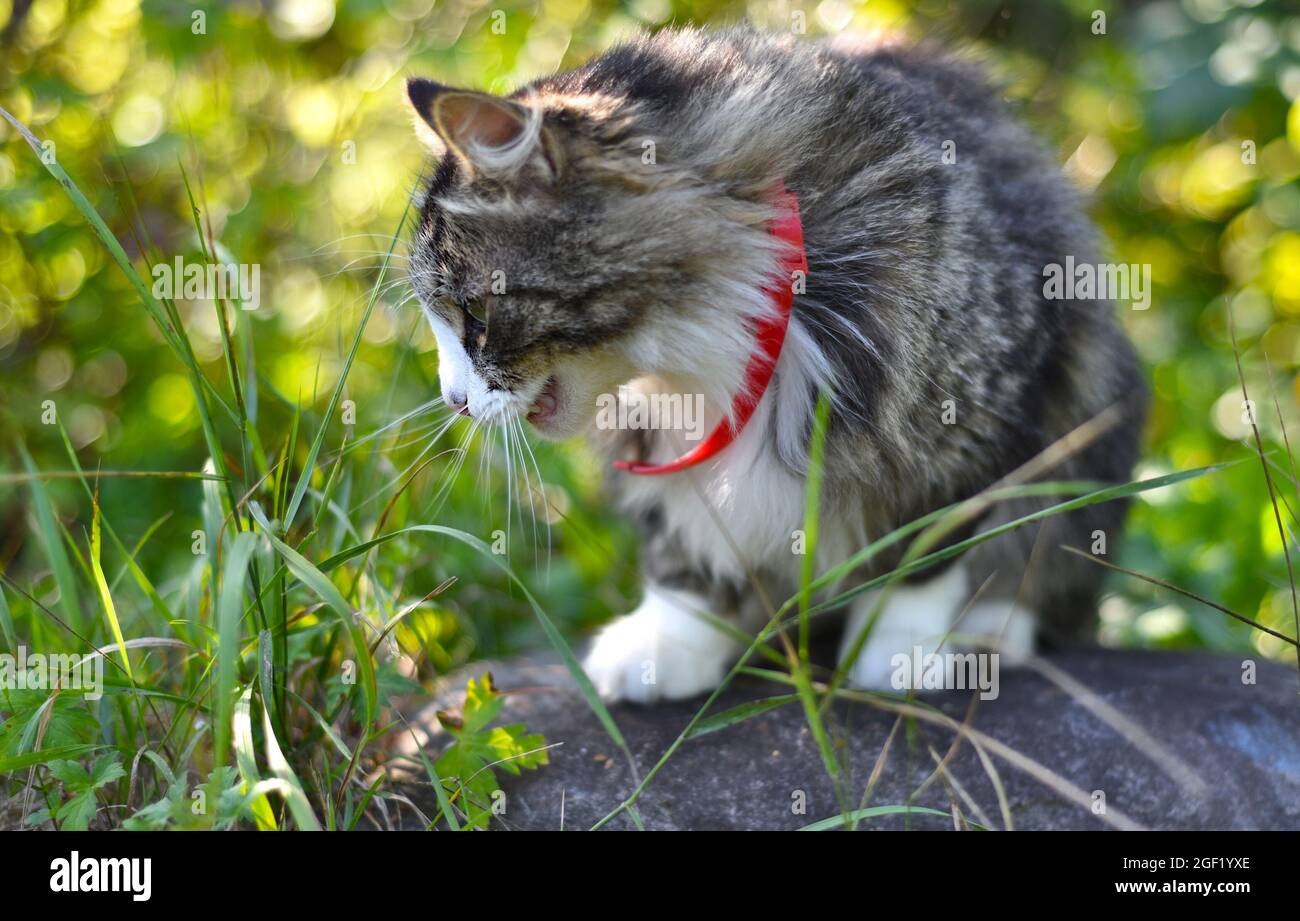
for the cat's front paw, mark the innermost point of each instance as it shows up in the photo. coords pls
(661, 651)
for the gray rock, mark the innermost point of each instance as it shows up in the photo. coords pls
(1172, 741)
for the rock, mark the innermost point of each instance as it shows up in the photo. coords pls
(1159, 740)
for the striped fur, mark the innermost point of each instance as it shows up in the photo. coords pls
(924, 312)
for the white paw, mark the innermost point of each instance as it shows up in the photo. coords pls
(912, 624)
(1003, 627)
(661, 651)
(877, 667)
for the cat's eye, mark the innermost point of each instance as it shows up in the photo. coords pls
(478, 310)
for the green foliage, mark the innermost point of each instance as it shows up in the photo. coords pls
(182, 808)
(466, 767)
(78, 805)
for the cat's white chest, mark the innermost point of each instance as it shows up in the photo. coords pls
(738, 514)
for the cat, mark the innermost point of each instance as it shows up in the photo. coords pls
(607, 231)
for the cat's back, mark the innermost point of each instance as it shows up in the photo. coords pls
(742, 100)
(672, 68)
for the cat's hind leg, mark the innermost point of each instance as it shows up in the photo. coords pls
(934, 617)
(999, 625)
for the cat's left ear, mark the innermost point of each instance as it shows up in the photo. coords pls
(488, 134)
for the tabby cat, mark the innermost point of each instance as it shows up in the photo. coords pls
(607, 231)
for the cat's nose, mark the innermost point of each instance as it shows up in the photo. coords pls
(458, 401)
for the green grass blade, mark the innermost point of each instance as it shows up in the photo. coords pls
(7, 623)
(812, 516)
(97, 224)
(24, 761)
(174, 337)
(105, 596)
(444, 803)
(803, 668)
(335, 739)
(173, 333)
(318, 582)
(246, 761)
(230, 610)
(297, 799)
(141, 580)
(840, 821)
(55, 552)
(739, 714)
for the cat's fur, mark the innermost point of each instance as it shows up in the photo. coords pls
(623, 205)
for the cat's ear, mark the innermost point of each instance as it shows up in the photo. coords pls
(420, 94)
(487, 133)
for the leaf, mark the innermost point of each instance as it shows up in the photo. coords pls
(107, 768)
(44, 756)
(70, 727)
(468, 762)
(73, 774)
(739, 714)
(516, 748)
(75, 814)
(105, 596)
(482, 704)
(70, 773)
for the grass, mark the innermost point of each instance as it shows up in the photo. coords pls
(253, 610)
(253, 689)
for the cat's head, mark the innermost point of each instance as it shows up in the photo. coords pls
(567, 246)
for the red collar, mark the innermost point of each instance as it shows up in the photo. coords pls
(770, 333)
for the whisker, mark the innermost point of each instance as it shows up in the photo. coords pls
(394, 283)
(418, 435)
(349, 267)
(510, 477)
(353, 236)
(449, 479)
(432, 442)
(541, 485)
(430, 406)
(522, 492)
(521, 443)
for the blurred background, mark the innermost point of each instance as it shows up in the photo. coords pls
(1181, 118)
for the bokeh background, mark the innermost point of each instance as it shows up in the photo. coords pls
(1181, 120)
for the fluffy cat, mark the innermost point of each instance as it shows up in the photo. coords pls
(608, 226)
